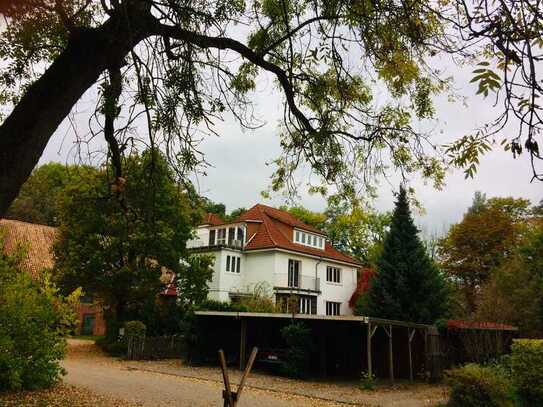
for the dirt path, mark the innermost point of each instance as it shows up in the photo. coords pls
(171, 383)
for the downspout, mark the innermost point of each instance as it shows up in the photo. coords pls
(317, 273)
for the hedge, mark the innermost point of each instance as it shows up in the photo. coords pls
(527, 367)
(479, 386)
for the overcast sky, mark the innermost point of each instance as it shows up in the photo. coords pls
(239, 158)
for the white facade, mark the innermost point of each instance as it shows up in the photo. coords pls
(313, 285)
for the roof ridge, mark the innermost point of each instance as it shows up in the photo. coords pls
(267, 226)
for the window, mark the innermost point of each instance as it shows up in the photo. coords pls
(333, 274)
(233, 264)
(221, 236)
(332, 308)
(231, 235)
(240, 235)
(308, 239)
(211, 237)
(293, 273)
(307, 305)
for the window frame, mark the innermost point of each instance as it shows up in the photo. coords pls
(294, 281)
(333, 308)
(333, 275)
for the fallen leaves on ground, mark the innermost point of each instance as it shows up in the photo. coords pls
(61, 395)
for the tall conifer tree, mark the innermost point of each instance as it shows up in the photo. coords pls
(408, 285)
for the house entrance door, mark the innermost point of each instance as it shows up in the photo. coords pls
(88, 325)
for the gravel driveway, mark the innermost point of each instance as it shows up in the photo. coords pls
(105, 376)
(171, 383)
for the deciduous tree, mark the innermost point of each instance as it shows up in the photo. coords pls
(38, 200)
(115, 239)
(481, 242)
(170, 63)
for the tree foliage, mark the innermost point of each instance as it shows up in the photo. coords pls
(171, 64)
(116, 239)
(408, 285)
(192, 280)
(34, 320)
(487, 235)
(514, 292)
(38, 201)
(352, 227)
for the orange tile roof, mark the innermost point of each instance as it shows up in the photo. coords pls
(37, 240)
(269, 235)
(212, 219)
(279, 215)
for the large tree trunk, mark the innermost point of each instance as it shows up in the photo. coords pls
(26, 131)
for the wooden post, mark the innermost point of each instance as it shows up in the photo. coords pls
(242, 343)
(371, 332)
(410, 334)
(390, 354)
(246, 373)
(227, 395)
(368, 345)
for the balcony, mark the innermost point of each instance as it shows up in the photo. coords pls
(200, 244)
(303, 283)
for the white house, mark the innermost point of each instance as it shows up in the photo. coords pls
(269, 245)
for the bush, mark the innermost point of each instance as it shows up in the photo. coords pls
(527, 369)
(118, 347)
(479, 386)
(260, 299)
(34, 321)
(134, 328)
(298, 340)
(367, 381)
(213, 305)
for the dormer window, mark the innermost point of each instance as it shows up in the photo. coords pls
(308, 239)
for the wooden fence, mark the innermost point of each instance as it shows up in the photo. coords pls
(159, 347)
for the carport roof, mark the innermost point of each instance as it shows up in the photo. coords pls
(346, 318)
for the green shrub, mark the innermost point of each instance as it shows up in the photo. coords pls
(297, 337)
(479, 386)
(134, 328)
(34, 321)
(213, 305)
(367, 381)
(527, 369)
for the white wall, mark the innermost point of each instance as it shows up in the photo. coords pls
(223, 281)
(272, 267)
(341, 292)
(201, 238)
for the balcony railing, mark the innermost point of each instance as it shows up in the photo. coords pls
(303, 283)
(197, 243)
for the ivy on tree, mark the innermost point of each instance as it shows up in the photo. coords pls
(408, 285)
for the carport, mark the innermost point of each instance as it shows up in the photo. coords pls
(342, 346)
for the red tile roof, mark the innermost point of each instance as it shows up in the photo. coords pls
(461, 324)
(212, 219)
(270, 233)
(279, 215)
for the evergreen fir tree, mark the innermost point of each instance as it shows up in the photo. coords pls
(408, 285)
